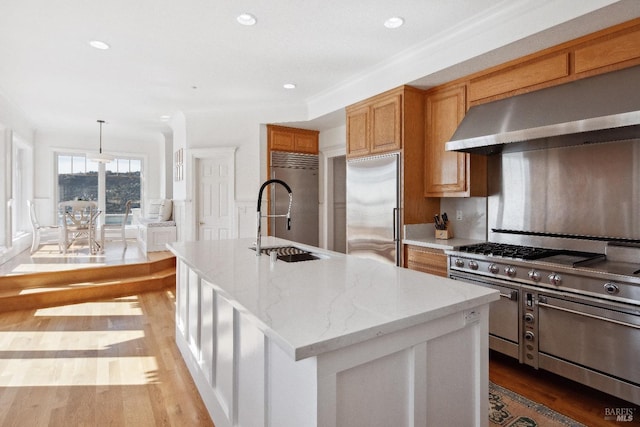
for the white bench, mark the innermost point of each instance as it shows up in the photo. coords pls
(154, 235)
(156, 228)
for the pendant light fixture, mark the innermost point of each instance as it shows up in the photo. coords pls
(100, 157)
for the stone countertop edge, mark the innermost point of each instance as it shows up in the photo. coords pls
(351, 304)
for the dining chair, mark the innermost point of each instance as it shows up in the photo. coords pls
(38, 230)
(79, 219)
(121, 227)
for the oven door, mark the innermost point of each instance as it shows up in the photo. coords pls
(599, 335)
(504, 320)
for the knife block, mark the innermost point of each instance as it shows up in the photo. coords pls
(444, 234)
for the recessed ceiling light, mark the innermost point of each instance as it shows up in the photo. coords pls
(99, 44)
(165, 118)
(289, 85)
(246, 19)
(394, 22)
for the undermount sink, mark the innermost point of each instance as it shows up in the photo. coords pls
(289, 253)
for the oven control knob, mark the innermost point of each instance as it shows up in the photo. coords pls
(529, 336)
(510, 271)
(493, 268)
(534, 275)
(459, 263)
(529, 318)
(473, 265)
(611, 288)
(555, 279)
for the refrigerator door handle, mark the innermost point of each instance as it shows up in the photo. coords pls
(395, 224)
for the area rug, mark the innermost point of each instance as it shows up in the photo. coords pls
(509, 409)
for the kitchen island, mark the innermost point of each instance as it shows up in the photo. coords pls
(337, 341)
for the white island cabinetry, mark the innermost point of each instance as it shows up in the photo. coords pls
(338, 341)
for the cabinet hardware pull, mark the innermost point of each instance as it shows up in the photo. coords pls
(592, 316)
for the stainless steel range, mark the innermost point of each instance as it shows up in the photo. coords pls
(570, 312)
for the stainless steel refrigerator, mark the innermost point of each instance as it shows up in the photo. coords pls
(373, 200)
(300, 172)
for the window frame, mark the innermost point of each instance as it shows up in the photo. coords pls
(101, 198)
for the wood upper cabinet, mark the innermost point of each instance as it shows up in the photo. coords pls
(525, 75)
(374, 126)
(611, 49)
(444, 171)
(386, 124)
(358, 131)
(449, 173)
(616, 50)
(293, 140)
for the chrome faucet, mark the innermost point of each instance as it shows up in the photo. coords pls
(259, 210)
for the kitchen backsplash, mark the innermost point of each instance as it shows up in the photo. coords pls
(473, 224)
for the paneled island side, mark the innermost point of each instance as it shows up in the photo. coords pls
(337, 341)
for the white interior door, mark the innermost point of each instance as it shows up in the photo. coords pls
(215, 197)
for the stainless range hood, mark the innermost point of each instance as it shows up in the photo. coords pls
(595, 109)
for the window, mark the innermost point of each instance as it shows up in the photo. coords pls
(123, 183)
(80, 178)
(77, 178)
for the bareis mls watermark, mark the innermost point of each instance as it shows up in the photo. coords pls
(619, 414)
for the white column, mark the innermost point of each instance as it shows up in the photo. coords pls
(102, 204)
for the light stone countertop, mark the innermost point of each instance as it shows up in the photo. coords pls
(313, 307)
(432, 242)
(424, 235)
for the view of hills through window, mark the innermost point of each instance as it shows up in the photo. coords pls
(78, 180)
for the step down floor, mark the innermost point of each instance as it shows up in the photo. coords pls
(49, 289)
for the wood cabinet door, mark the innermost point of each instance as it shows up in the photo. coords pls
(280, 140)
(386, 124)
(358, 132)
(306, 143)
(608, 51)
(293, 140)
(445, 172)
(535, 72)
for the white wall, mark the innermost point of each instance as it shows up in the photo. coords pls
(238, 129)
(245, 130)
(13, 123)
(333, 142)
(167, 187)
(179, 141)
(12, 118)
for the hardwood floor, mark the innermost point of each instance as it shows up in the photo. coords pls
(49, 258)
(574, 400)
(115, 362)
(111, 362)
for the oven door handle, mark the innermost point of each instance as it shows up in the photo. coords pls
(592, 316)
(513, 295)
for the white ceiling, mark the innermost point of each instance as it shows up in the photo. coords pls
(192, 55)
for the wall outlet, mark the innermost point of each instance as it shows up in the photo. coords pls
(459, 215)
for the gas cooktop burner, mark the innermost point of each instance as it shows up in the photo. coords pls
(528, 253)
(508, 251)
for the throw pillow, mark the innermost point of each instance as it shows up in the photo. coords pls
(166, 208)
